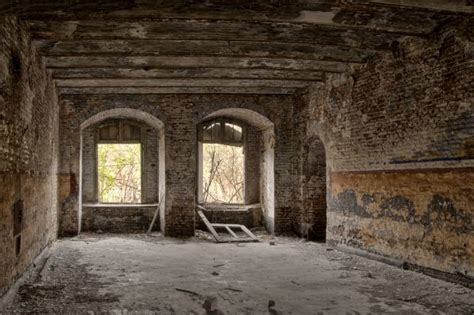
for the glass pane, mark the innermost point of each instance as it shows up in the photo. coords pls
(207, 133)
(119, 173)
(211, 132)
(233, 133)
(223, 173)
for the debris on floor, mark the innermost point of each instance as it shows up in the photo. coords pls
(133, 274)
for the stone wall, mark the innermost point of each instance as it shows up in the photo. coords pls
(399, 135)
(28, 153)
(180, 115)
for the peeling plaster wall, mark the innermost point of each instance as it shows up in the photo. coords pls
(28, 152)
(399, 135)
(180, 115)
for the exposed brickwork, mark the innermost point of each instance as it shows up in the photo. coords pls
(118, 219)
(409, 110)
(28, 152)
(180, 115)
(252, 152)
(310, 197)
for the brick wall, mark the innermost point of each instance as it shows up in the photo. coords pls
(28, 152)
(118, 219)
(180, 115)
(252, 148)
(310, 197)
(399, 136)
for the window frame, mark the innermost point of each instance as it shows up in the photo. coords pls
(222, 121)
(98, 141)
(200, 160)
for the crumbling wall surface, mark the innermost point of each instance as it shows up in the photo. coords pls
(310, 197)
(180, 114)
(399, 135)
(28, 153)
(118, 219)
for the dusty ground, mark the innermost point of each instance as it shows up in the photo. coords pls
(104, 274)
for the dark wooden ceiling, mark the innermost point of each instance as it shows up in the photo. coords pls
(248, 47)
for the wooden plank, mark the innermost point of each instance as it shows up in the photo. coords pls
(202, 48)
(243, 227)
(247, 231)
(209, 225)
(225, 224)
(204, 73)
(179, 29)
(231, 232)
(179, 82)
(179, 90)
(437, 5)
(195, 62)
(156, 214)
(372, 14)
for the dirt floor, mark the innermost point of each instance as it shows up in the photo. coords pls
(137, 274)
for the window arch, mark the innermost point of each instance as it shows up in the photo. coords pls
(222, 131)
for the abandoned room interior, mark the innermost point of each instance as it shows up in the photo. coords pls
(237, 157)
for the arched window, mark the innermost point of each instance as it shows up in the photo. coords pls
(222, 161)
(119, 162)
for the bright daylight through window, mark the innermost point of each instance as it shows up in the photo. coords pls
(223, 163)
(119, 173)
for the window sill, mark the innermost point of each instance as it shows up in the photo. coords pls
(229, 207)
(119, 205)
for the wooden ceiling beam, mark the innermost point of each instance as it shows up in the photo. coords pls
(182, 73)
(180, 82)
(178, 90)
(202, 48)
(404, 16)
(213, 30)
(195, 62)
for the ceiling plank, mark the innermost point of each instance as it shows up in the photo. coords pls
(179, 82)
(457, 6)
(202, 48)
(178, 90)
(212, 30)
(403, 16)
(209, 73)
(195, 62)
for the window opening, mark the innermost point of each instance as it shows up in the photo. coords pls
(222, 162)
(119, 172)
